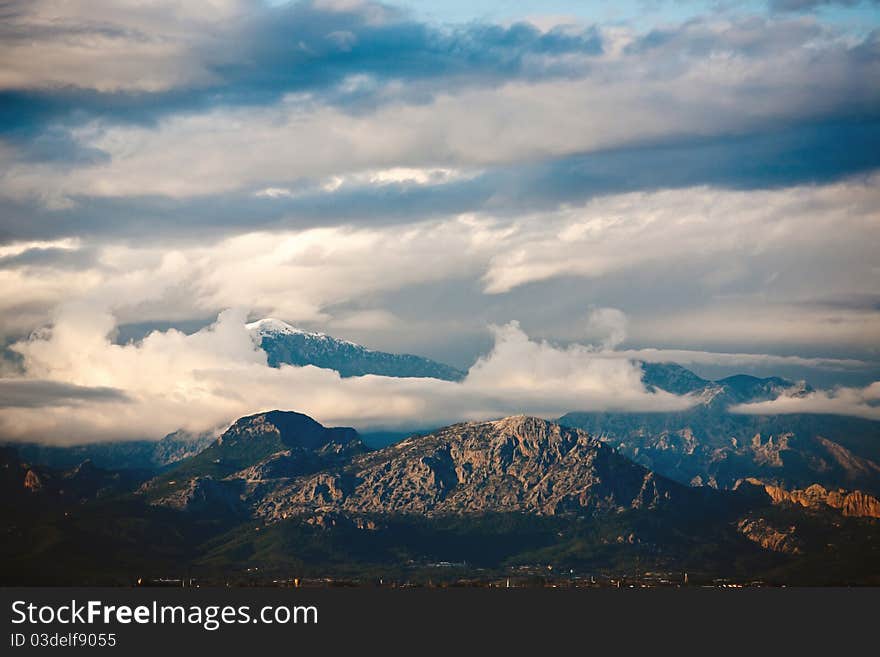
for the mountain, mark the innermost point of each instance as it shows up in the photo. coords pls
(284, 463)
(24, 484)
(848, 503)
(254, 451)
(285, 344)
(707, 444)
(518, 464)
(278, 496)
(516, 491)
(177, 446)
(736, 389)
(120, 455)
(673, 378)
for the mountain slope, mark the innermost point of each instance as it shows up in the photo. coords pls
(707, 444)
(518, 464)
(285, 344)
(120, 455)
(279, 494)
(256, 448)
(26, 485)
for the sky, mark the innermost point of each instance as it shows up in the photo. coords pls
(542, 193)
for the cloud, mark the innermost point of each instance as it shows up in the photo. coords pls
(204, 380)
(675, 227)
(690, 267)
(608, 327)
(809, 5)
(80, 386)
(857, 402)
(364, 320)
(751, 321)
(814, 153)
(703, 79)
(31, 393)
(610, 323)
(137, 60)
(688, 357)
(54, 257)
(108, 45)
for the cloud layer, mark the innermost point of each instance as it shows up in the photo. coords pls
(759, 276)
(702, 189)
(858, 402)
(207, 379)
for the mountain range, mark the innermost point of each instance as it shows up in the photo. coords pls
(280, 494)
(782, 499)
(707, 444)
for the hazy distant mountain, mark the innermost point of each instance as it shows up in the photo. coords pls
(119, 455)
(27, 484)
(736, 389)
(285, 344)
(707, 444)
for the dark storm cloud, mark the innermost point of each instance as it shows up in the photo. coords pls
(300, 47)
(31, 393)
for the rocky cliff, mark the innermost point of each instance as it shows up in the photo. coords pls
(849, 503)
(256, 453)
(517, 464)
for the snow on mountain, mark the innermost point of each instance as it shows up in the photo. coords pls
(286, 344)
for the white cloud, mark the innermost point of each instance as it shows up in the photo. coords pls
(756, 72)
(608, 328)
(202, 381)
(762, 278)
(274, 192)
(692, 357)
(17, 248)
(695, 225)
(110, 45)
(610, 323)
(858, 402)
(756, 320)
(209, 378)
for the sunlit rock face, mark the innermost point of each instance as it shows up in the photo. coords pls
(517, 464)
(849, 503)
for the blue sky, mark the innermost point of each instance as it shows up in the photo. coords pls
(697, 179)
(856, 17)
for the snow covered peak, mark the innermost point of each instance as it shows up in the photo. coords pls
(287, 345)
(270, 325)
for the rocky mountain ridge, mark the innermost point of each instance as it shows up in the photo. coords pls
(280, 493)
(252, 453)
(516, 464)
(286, 344)
(849, 503)
(708, 444)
